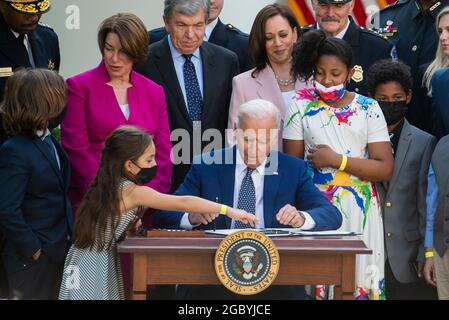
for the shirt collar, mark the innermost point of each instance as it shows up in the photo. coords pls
(178, 55)
(342, 33)
(210, 28)
(241, 166)
(17, 35)
(43, 135)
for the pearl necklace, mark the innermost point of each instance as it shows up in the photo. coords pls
(284, 83)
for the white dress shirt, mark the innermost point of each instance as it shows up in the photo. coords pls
(179, 60)
(209, 29)
(258, 176)
(27, 44)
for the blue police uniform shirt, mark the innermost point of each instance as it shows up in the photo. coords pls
(411, 29)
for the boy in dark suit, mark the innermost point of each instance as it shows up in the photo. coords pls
(35, 213)
(404, 197)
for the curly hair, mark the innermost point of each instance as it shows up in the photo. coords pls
(385, 71)
(311, 47)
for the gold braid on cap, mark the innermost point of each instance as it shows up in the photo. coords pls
(37, 7)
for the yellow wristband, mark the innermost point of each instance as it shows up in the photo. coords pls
(344, 162)
(223, 209)
(429, 254)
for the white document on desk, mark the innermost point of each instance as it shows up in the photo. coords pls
(285, 232)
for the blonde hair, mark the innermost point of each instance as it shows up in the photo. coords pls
(441, 60)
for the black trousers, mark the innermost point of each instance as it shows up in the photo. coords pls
(40, 280)
(395, 290)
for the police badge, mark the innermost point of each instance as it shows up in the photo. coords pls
(247, 262)
(358, 74)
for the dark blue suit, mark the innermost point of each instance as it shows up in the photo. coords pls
(223, 35)
(35, 213)
(440, 103)
(44, 45)
(291, 185)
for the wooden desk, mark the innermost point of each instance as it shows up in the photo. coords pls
(303, 261)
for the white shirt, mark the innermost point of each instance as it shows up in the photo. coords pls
(179, 60)
(125, 110)
(209, 29)
(258, 180)
(288, 97)
(342, 33)
(27, 44)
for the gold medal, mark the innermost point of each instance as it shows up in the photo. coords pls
(51, 65)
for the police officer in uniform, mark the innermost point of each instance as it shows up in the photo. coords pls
(24, 43)
(410, 26)
(333, 17)
(223, 35)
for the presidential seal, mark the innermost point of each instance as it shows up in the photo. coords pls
(247, 262)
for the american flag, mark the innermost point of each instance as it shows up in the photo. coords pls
(363, 10)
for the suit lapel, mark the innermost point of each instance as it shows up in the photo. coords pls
(403, 146)
(63, 159)
(44, 149)
(37, 48)
(352, 34)
(268, 87)
(270, 189)
(218, 35)
(226, 178)
(164, 63)
(209, 76)
(9, 45)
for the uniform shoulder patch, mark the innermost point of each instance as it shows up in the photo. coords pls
(230, 27)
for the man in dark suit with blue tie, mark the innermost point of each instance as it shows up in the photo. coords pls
(254, 177)
(197, 79)
(223, 35)
(35, 212)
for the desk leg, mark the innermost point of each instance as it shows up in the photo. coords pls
(139, 276)
(346, 291)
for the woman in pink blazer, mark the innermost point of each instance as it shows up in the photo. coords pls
(273, 34)
(110, 95)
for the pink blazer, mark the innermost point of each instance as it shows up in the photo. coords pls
(264, 86)
(93, 113)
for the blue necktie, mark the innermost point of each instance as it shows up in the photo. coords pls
(51, 149)
(247, 198)
(193, 92)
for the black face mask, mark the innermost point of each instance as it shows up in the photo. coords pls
(146, 175)
(56, 121)
(394, 111)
